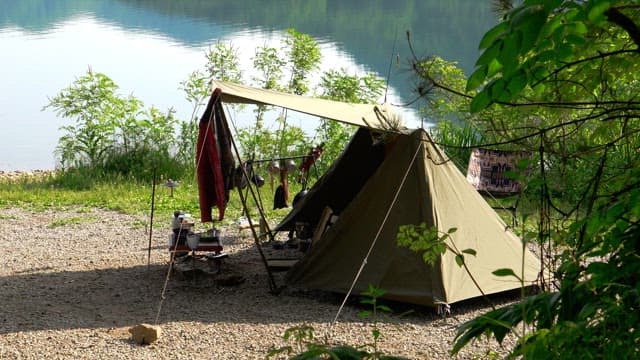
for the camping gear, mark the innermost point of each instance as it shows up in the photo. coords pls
(274, 167)
(170, 184)
(299, 196)
(373, 188)
(309, 161)
(279, 201)
(488, 171)
(281, 197)
(214, 160)
(291, 165)
(183, 240)
(181, 225)
(239, 179)
(257, 180)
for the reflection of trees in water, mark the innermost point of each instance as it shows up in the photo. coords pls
(367, 29)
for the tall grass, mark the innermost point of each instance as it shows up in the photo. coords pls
(457, 140)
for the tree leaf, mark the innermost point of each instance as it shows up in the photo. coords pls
(469, 251)
(493, 34)
(510, 52)
(504, 272)
(497, 89)
(480, 102)
(517, 83)
(459, 259)
(477, 78)
(596, 14)
(531, 28)
(493, 67)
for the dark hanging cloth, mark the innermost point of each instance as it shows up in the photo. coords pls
(279, 201)
(281, 197)
(214, 160)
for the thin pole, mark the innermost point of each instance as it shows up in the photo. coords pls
(153, 199)
(272, 283)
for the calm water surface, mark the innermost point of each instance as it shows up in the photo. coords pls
(149, 47)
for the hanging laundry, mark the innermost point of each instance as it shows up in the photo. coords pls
(309, 160)
(214, 160)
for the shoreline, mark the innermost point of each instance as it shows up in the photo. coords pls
(15, 174)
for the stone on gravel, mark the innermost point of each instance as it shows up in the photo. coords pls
(145, 334)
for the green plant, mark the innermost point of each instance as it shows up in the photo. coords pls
(307, 348)
(457, 140)
(70, 221)
(432, 244)
(565, 73)
(92, 102)
(304, 56)
(339, 86)
(113, 134)
(222, 62)
(371, 297)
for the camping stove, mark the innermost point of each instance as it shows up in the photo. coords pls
(181, 226)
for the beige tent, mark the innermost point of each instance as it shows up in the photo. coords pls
(369, 193)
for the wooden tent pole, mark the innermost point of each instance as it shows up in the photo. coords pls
(272, 283)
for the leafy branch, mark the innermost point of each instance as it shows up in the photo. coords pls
(432, 244)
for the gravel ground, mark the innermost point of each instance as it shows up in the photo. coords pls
(73, 282)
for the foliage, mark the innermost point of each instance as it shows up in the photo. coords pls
(560, 77)
(222, 62)
(112, 134)
(458, 140)
(338, 85)
(433, 244)
(129, 195)
(370, 297)
(284, 139)
(425, 239)
(92, 102)
(270, 65)
(303, 57)
(305, 345)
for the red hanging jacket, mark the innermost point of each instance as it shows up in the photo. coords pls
(214, 160)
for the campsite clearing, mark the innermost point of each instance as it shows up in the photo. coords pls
(73, 291)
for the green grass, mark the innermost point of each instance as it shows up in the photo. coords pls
(129, 196)
(76, 220)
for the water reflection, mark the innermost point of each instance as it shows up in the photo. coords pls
(149, 46)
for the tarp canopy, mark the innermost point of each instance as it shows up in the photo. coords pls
(362, 115)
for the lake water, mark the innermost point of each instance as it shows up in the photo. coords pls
(149, 46)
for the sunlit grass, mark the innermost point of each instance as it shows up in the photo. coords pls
(76, 220)
(126, 196)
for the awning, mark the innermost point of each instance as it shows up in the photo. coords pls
(365, 115)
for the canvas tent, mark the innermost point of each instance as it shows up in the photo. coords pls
(378, 185)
